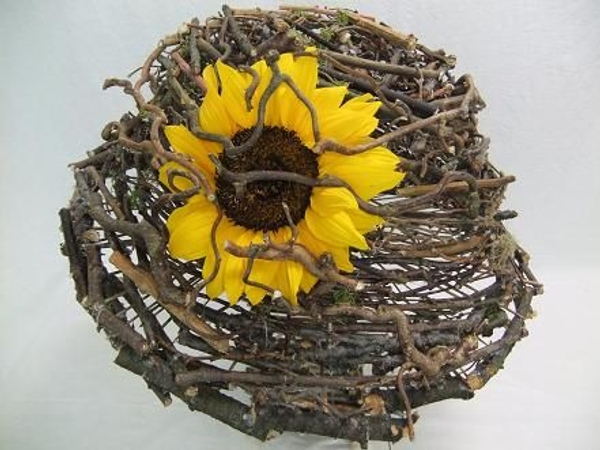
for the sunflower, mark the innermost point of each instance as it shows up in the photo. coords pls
(323, 220)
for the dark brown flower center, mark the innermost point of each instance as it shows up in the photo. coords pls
(259, 206)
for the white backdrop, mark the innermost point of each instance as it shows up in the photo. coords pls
(537, 66)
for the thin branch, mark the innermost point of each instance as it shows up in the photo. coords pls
(323, 267)
(240, 37)
(214, 375)
(147, 284)
(383, 67)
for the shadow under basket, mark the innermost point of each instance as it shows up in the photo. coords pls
(430, 311)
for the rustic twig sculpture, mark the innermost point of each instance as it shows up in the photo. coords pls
(301, 208)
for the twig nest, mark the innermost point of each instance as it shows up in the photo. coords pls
(303, 211)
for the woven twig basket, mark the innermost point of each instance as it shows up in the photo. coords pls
(431, 310)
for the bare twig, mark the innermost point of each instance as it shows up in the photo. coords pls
(147, 284)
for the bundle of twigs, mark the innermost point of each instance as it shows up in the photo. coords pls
(431, 310)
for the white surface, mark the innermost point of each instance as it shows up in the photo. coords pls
(536, 65)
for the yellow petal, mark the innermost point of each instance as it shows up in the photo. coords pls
(281, 235)
(302, 70)
(341, 257)
(183, 141)
(264, 77)
(262, 272)
(267, 272)
(364, 222)
(327, 201)
(329, 97)
(294, 115)
(284, 108)
(369, 173)
(211, 79)
(317, 248)
(235, 85)
(307, 282)
(359, 111)
(304, 73)
(364, 104)
(272, 116)
(189, 228)
(213, 115)
(226, 230)
(290, 275)
(336, 229)
(177, 183)
(346, 126)
(215, 287)
(254, 294)
(235, 268)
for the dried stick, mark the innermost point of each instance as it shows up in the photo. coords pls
(457, 186)
(147, 284)
(383, 67)
(185, 68)
(322, 268)
(207, 375)
(428, 366)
